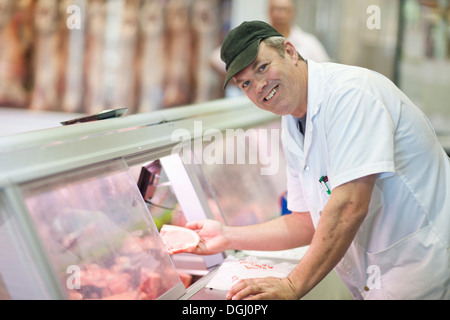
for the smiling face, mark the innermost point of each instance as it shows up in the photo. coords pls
(275, 83)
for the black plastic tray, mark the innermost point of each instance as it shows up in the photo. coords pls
(106, 114)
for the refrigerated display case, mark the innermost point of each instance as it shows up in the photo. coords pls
(95, 231)
(74, 223)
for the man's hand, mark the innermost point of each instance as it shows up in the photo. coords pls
(212, 237)
(263, 289)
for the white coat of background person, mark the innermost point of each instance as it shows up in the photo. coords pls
(282, 14)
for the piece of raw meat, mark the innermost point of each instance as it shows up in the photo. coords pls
(151, 285)
(186, 278)
(179, 239)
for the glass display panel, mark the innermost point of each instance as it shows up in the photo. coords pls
(243, 173)
(19, 277)
(158, 195)
(175, 195)
(99, 235)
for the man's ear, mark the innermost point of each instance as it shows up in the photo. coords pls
(291, 51)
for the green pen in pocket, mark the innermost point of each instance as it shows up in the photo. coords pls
(324, 180)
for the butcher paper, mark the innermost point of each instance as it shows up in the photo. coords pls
(232, 270)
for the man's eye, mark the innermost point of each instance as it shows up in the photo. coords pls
(245, 84)
(262, 68)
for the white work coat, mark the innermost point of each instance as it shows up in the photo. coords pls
(359, 123)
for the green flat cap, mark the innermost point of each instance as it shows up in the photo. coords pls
(240, 47)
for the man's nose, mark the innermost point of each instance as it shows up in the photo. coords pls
(260, 85)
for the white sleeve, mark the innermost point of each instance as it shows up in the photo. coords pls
(360, 136)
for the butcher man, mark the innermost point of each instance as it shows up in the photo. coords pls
(368, 183)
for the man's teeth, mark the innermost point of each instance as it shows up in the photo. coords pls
(271, 93)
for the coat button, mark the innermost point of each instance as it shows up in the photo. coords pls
(366, 288)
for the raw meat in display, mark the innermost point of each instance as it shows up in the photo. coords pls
(186, 278)
(151, 285)
(126, 277)
(179, 239)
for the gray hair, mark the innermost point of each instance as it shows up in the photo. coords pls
(277, 43)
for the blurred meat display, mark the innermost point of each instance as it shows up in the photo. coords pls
(151, 56)
(94, 99)
(47, 57)
(124, 88)
(15, 42)
(177, 82)
(142, 55)
(205, 13)
(73, 54)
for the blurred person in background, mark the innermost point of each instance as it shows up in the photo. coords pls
(282, 15)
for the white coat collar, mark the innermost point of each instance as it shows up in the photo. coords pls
(294, 139)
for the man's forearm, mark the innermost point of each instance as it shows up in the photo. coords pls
(338, 225)
(285, 232)
(329, 244)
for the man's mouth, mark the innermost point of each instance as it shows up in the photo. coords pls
(271, 94)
